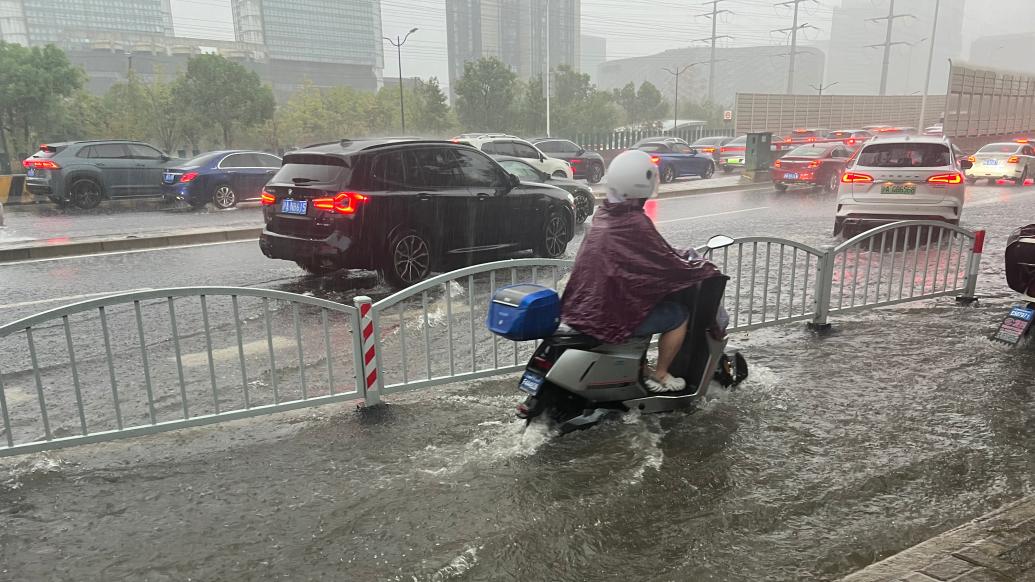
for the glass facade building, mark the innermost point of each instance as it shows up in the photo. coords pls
(65, 22)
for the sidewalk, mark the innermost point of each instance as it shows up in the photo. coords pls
(998, 547)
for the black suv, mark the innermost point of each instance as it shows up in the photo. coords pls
(585, 164)
(85, 172)
(403, 206)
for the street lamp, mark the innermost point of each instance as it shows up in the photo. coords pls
(820, 89)
(398, 44)
(675, 108)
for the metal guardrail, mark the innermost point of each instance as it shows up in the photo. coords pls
(150, 361)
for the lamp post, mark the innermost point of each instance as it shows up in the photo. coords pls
(398, 44)
(819, 89)
(675, 107)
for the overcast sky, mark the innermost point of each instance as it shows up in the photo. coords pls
(632, 27)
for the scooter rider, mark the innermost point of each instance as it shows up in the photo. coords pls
(625, 270)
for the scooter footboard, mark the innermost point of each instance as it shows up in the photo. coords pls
(699, 356)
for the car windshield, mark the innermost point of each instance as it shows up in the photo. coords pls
(999, 148)
(310, 169)
(809, 151)
(905, 155)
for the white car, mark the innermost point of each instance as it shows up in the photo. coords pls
(900, 178)
(1006, 161)
(501, 144)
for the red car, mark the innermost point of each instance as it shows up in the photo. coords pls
(818, 164)
(806, 135)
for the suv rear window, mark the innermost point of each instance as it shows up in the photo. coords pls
(905, 155)
(809, 151)
(999, 148)
(314, 169)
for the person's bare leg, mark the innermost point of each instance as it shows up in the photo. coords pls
(668, 347)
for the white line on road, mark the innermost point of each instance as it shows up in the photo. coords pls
(712, 215)
(89, 255)
(70, 298)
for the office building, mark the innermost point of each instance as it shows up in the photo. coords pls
(857, 69)
(593, 54)
(757, 69)
(73, 23)
(515, 32)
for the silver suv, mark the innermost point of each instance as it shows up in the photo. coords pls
(85, 172)
(901, 178)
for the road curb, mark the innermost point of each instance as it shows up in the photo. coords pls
(714, 190)
(997, 543)
(109, 245)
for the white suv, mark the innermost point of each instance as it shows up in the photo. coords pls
(900, 178)
(501, 144)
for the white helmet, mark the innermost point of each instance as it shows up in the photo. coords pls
(631, 176)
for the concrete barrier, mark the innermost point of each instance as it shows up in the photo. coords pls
(109, 245)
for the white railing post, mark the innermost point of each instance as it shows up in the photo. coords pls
(824, 285)
(367, 374)
(973, 266)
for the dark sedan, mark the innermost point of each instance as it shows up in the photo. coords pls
(223, 178)
(584, 201)
(585, 164)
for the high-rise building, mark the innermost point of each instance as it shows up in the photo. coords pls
(515, 32)
(73, 23)
(330, 42)
(857, 69)
(594, 53)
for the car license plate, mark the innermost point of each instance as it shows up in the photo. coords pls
(30, 172)
(898, 189)
(736, 161)
(294, 206)
(531, 383)
(790, 176)
(991, 162)
(167, 178)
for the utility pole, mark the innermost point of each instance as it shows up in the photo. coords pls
(398, 44)
(887, 44)
(820, 88)
(714, 15)
(548, 71)
(675, 107)
(794, 39)
(930, 62)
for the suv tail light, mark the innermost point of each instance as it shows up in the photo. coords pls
(953, 178)
(1013, 160)
(655, 160)
(41, 164)
(268, 199)
(188, 177)
(856, 178)
(342, 203)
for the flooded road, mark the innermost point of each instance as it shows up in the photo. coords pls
(839, 450)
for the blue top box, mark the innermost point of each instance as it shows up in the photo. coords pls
(524, 312)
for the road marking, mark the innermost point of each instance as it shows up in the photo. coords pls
(71, 298)
(712, 215)
(225, 242)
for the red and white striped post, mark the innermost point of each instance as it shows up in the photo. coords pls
(973, 266)
(369, 379)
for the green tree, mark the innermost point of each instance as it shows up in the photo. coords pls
(706, 111)
(531, 107)
(33, 82)
(430, 107)
(485, 96)
(625, 98)
(224, 94)
(650, 104)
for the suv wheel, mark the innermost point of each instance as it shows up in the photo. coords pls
(583, 206)
(708, 171)
(409, 259)
(555, 237)
(86, 193)
(224, 197)
(596, 173)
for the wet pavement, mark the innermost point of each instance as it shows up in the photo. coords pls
(822, 463)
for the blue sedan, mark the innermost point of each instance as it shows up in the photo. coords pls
(222, 178)
(675, 160)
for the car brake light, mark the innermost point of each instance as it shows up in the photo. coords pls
(776, 164)
(953, 178)
(1013, 160)
(655, 160)
(971, 159)
(268, 199)
(342, 203)
(41, 164)
(814, 164)
(576, 161)
(856, 178)
(723, 150)
(188, 177)
(708, 150)
(811, 139)
(850, 141)
(1021, 140)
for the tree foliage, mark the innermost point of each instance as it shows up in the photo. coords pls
(642, 107)
(224, 94)
(485, 96)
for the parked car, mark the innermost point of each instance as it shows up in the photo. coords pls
(818, 164)
(223, 178)
(582, 194)
(501, 144)
(675, 160)
(732, 155)
(584, 164)
(711, 146)
(852, 138)
(84, 173)
(1002, 161)
(900, 178)
(402, 206)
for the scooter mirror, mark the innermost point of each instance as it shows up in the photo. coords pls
(719, 241)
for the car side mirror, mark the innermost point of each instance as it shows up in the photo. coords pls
(166, 157)
(693, 151)
(580, 152)
(719, 241)
(513, 181)
(966, 164)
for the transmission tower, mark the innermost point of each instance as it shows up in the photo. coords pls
(714, 15)
(793, 30)
(888, 43)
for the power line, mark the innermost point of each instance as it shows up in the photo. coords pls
(714, 15)
(888, 43)
(793, 30)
